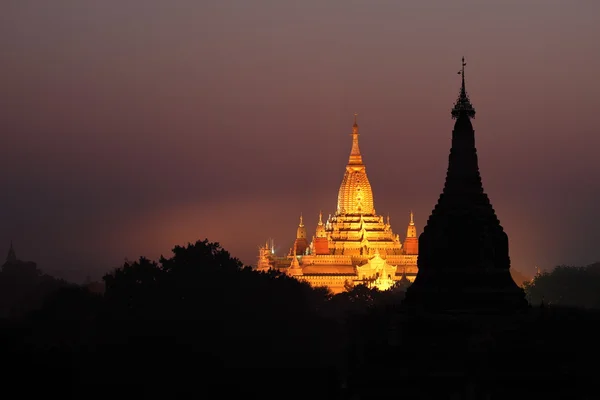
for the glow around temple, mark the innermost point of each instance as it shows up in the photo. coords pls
(353, 246)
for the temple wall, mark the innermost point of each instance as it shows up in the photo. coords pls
(402, 260)
(329, 259)
(335, 283)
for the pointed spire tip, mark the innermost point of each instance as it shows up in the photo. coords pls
(463, 105)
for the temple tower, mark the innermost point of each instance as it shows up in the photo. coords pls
(301, 243)
(11, 258)
(320, 242)
(355, 195)
(294, 269)
(411, 243)
(463, 251)
(355, 229)
(264, 253)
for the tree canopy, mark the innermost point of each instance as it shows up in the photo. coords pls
(566, 286)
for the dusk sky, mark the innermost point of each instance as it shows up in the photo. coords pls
(131, 126)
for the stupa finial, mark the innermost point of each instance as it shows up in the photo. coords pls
(355, 157)
(463, 105)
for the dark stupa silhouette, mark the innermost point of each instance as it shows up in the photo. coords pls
(463, 251)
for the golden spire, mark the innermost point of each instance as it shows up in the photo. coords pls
(355, 195)
(411, 231)
(355, 157)
(320, 231)
(301, 231)
(294, 268)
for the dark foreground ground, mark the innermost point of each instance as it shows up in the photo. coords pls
(544, 353)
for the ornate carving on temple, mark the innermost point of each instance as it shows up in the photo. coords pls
(264, 258)
(378, 272)
(463, 251)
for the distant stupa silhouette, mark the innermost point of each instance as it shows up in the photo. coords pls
(12, 256)
(463, 250)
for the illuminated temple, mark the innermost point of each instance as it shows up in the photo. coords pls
(353, 246)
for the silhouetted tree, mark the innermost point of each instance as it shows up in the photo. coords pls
(175, 323)
(207, 301)
(566, 286)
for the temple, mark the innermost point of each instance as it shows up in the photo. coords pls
(353, 246)
(463, 260)
(14, 264)
(11, 258)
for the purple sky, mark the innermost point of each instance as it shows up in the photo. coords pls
(130, 126)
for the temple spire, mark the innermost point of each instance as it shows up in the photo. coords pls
(463, 105)
(355, 156)
(11, 257)
(301, 243)
(301, 231)
(464, 261)
(294, 268)
(320, 231)
(411, 233)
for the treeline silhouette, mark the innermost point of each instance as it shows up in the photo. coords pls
(23, 288)
(200, 323)
(566, 286)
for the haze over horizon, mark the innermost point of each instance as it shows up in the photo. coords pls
(132, 126)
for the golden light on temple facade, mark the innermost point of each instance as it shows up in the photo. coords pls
(354, 245)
